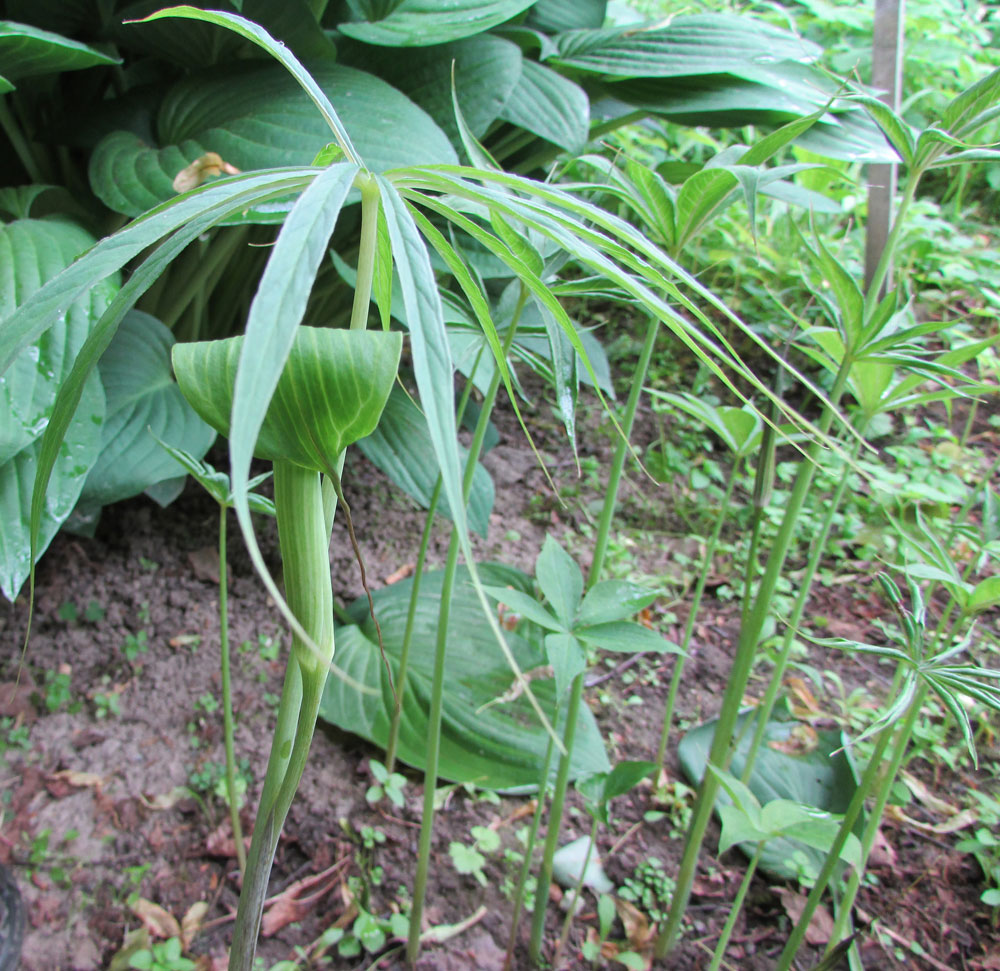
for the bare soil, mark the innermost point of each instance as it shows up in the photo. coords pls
(108, 790)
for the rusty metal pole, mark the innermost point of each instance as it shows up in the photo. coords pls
(887, 77)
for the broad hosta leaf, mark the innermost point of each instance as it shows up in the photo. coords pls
(421, 23)
(33, 251)
(795, 762)
(143, 401)
(487, 69)
(550, 106)
(259, 117)
(256, 117)
(330, 393)
(555, 16)
(130, 177)
(699, 44)
(401, 447)
(198, 45)
(498, 747)
(17, 477)
(28, 51)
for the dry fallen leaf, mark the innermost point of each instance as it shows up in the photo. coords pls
(159, 922)
(205, 564)
(191, 922)
(637, 928)
(296, 901)
(202, 168)
(820, 927)
(801, 739)
(805, 703)
(79, 780)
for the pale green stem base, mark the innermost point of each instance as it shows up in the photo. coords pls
(734, 911)
(576, 688)
(298, 500)
(763, 714)
(699, 591)
(529, 855)
(868, 783)
(227, 699)
(440, 653)
(577, 890)
(721, 749)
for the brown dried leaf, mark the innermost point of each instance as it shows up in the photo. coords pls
(801, 740)
(296, 901)
(191, 922)
(15, 698)
(205, 564)
(159, 922)
(820, 926)
(637, 928)
(202, 168)
(79, 780)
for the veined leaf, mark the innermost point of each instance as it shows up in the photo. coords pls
(550, 106)
(32, 252)
(257, 35)
(257, 117)
(814, 771)
(487, 69)
(144, 403)
(489, 735)
(401, 447)
(698, 44)
(27, 51)
(111, 254)
(421, 23)
(330, 394)
(555, 16)
(68, 475)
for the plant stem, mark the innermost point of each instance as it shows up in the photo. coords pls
(699, 590)
(621, 450)
(746, 649)
(763, 714)
(529, 853)
(213, 257)
(576, 688)
(304, 541)
(577, 890)
(867, 784)
(227, 698)
(366, 250)
(555, 821)
(411, 613)
(22, 149)
(734, 911)
(440, 656)
(902, 743)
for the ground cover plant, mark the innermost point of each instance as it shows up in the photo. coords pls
(477, 673)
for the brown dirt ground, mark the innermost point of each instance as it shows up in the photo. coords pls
(113, 780)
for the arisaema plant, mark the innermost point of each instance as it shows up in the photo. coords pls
(300, 397)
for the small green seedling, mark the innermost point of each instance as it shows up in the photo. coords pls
(469, 858)
(162, 956)
(387, 783)
(134, 645)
